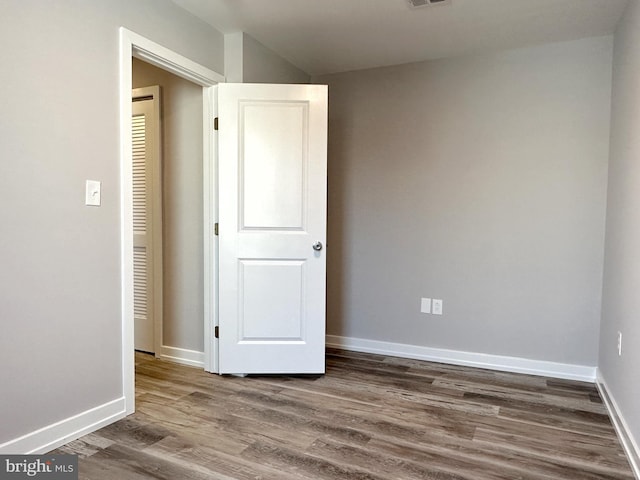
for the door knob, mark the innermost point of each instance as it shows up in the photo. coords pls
(317, 246)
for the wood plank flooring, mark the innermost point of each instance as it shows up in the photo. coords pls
(369, 418)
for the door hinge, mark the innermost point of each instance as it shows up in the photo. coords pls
(216, 332)
(215, 228)
(215, 123)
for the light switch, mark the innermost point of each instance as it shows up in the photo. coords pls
(92, 193)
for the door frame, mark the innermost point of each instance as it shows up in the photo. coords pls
(135, 45)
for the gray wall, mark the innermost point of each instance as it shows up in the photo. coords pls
(478, 180)
(262, 65)
(621, 297)
(60, 348)
(248, 61)
(183, 258)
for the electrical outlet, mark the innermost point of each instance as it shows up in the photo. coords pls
(437, 306)
(619, 344)
(425, 305)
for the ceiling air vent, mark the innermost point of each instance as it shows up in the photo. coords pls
(427, 3)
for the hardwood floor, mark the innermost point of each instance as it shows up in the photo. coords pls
(369, 418)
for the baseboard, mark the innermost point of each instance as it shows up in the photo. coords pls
(182, 355)
(456, 357)
(624, 433)
(52, 436)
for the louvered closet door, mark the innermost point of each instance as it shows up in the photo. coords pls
(143, 219)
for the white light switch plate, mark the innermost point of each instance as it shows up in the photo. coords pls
(92, 193)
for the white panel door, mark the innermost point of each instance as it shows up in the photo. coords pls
(272, 216)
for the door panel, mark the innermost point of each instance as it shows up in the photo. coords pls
(272, 197)
(271, 289)
(273, 167)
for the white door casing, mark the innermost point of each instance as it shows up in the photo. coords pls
(272, 213)
(135, 45)
(147, 218)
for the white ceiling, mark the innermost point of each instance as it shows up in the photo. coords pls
(328, 36)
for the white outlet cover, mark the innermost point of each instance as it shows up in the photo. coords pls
(425, 305)
(619, 344)
(437, 306)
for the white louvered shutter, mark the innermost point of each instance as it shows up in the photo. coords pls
(142, 305)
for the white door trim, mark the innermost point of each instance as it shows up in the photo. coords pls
(134, 45)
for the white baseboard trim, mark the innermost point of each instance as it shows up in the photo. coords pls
(629, 443)
(182, 355)
(470, 359)
(52, 436)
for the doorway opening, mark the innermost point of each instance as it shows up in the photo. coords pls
(168, 254)
(132, 46)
